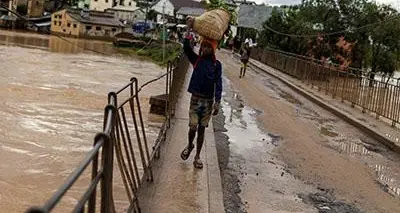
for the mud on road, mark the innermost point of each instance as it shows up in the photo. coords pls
(317, 163)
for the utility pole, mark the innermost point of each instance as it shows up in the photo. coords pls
(163, 13)
(145, 18)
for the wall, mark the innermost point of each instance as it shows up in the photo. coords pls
(35, 8)
(100, 5)
(64, 24)
(97, 31)
(129, 16)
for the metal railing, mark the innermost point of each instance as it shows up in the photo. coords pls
(380, 96)
(123, 138)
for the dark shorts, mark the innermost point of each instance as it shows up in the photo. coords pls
(200, 111)
(244, 63)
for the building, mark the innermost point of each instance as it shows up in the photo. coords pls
(185, 12)
(169, 7)
(101, 5)
(85, 24)
(127, 13)
(35, 8)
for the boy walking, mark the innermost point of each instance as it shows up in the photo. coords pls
(244, 58)
(206, 88)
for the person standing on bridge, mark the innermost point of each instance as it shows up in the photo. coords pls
(206, 89)
(244, 58)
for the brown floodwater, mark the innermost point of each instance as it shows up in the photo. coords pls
(52, 99)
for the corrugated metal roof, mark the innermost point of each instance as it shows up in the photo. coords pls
(96, 18)
(190, 11)
(253, 16)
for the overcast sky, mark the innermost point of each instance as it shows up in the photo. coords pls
(395, 3)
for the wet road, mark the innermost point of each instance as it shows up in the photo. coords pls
(52, 99)
(279, 152)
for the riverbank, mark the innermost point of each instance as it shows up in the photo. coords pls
(152, 52)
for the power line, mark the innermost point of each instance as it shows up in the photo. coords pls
(332, 33)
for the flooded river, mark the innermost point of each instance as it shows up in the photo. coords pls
(52, 99)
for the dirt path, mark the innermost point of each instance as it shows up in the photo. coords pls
(317, 147)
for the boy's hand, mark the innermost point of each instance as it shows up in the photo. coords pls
(216, 108)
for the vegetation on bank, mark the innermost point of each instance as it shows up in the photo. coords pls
(358, 33)
(152, 50)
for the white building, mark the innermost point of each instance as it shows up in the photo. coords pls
(102, 5)
(169, 7)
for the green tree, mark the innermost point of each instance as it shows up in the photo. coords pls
(377, 45)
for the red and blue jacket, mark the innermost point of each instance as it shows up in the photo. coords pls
(206, 80)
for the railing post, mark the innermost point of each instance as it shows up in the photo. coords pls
(106, 205)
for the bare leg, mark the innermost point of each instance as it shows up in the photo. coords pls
(186, 152)
(200, 141)
(191, 136)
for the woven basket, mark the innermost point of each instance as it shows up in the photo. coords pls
(212, 24)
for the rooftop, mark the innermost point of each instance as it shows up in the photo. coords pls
(95, 17)
(186, 3)
(190, 11)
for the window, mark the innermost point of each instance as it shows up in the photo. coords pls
(74, 25)
(60, 16)
(98, 28)
(59, 23)
(114, 30)
(69, 25)
(55, 22)
(64, 30)
(130, 3)
(88, 27)
(106, 1)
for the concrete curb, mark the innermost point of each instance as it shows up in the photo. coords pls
(215, 193)
(346, 116)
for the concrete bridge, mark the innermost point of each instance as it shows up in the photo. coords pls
(320, 135)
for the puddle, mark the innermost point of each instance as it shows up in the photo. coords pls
(242, 126)
(355, 145)
(385, 178)
(290, 98)
(328, 132)
(253, 178)
(326, 203)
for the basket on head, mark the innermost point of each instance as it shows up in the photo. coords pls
(212, 24)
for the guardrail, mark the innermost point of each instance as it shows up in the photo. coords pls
(379, 96)
(123, 135)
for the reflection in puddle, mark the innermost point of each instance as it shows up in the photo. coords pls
(370, 153)
(355, 148)
(241, 124)
(385, 178)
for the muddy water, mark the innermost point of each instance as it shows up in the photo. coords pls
(52, 99)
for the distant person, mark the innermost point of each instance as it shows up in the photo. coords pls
(206, 88)
(244, 58)
(230, 44)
